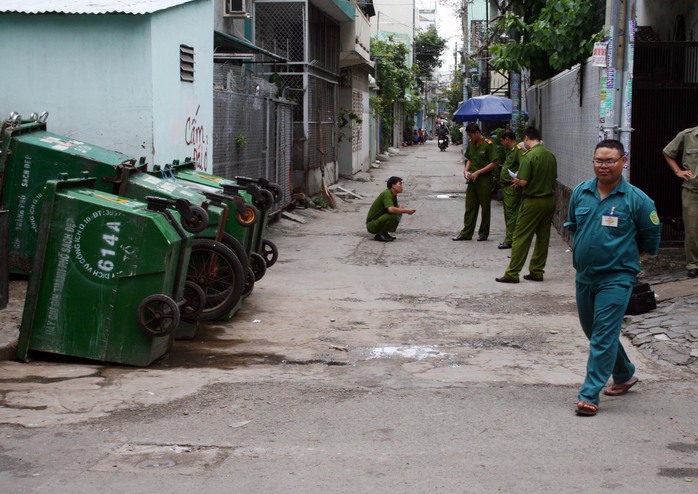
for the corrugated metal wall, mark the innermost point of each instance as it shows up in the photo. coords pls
(568, 120)
(566, 110)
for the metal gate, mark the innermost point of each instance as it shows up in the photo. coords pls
(665, 101)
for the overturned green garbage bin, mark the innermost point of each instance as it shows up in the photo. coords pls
(108, 278)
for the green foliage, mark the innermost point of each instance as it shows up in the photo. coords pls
(429, 47)
(395, 78)
(454, 93)
(346, 119)
(240, 140)
(548, 36)
(457, 134)
(320, 201)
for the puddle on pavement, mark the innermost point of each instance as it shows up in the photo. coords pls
(199, 358)
(454, 195)
(411, 352)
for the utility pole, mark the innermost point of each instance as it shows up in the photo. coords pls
(464, 59)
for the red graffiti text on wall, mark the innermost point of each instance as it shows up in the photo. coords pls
(195, 136)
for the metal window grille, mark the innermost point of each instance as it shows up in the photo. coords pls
(279, 28)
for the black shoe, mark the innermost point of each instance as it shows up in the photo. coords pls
(504, 279)
(481, 239)
(381, 238)
(504, 246)
(692, 273)
(458, 238)
(530, 277)
(389, 236)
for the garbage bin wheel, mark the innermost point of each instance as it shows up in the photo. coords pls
(193, 301)
(276, 191)
(249, 217)
(234, 244)
(258, 266)
(269, 252)
(249, 283)
(217, 270)
(198, 222)
(267, 200)
(158, 315)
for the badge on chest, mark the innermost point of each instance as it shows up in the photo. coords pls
(610, 219)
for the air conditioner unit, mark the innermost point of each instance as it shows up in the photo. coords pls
(236, 8)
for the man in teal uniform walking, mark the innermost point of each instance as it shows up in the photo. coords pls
(613, 223)
(385, 212)
(481, 160)
(684, 147)
(511, 195)
(536, 177)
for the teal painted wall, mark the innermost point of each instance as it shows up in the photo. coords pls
(113, 80)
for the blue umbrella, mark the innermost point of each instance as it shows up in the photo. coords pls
(488, 108)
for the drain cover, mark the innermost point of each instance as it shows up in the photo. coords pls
(183, 460)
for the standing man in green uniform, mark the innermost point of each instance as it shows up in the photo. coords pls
(385, 213)
(613, 223)
(536, 177)
(511, 195)
(481, 160)
(685, 144)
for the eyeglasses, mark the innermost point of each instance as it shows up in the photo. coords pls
(607, 163)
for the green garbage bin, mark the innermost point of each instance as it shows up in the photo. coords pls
(4, 265)
(262, 252)
(218, 261)
(108, 278)
(31, 156)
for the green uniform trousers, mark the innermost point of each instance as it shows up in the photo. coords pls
(534, 218)
(689, 201)
(385, 223)
(478, 195)
(511, 201)
(601, 308)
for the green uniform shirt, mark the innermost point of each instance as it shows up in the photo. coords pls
(687, 142)
(539, 168)
(380, 206)
(511, 162)
(480, 155)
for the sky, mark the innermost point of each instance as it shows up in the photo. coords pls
(449, 26)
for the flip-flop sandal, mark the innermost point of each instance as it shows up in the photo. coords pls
(619, 389)
(586, 409)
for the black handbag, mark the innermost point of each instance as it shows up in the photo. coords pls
(641, 300)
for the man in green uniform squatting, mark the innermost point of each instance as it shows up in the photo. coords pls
(481, 160)
(613, 223)
(684, 147)
(536, 177)
(511, 195)
(385, 213)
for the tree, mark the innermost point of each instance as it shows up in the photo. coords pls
(547, 36)
(396, 80)
(428, 47)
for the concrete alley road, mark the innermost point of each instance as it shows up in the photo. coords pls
(361, 366)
